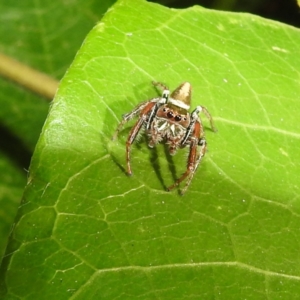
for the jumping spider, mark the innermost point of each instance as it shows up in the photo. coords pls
(166, 119)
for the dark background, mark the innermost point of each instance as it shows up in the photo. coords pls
(285, 11)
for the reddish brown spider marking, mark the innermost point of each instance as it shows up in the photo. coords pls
(166, 119)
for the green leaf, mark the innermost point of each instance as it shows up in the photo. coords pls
(87, 231)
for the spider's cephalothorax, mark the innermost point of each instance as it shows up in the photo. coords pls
(166, 119)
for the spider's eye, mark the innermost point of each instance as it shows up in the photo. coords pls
(170, 114)
(164, 109)
(178, 118)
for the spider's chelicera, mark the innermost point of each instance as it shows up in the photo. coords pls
(166, 119)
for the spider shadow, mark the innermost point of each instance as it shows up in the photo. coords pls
(154, 160)
(137, 145)
(118, 164)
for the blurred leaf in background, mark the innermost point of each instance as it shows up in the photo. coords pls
(45, 36)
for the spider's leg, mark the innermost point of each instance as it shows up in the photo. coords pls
(135, 130)
(154, 110)
(190, 166)
(191, 127)
(132, 135)
(193, 159)
(160, 85)
(201, 153)
(209, 117)
(127, 117)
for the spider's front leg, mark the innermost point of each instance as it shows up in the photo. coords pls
(127, 117)
(209, 117)
(194, 158)
(145, 109)
(164, 88)
(202, 144)
(131, 137)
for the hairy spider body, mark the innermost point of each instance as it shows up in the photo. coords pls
(166, 119)
(167, 127)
